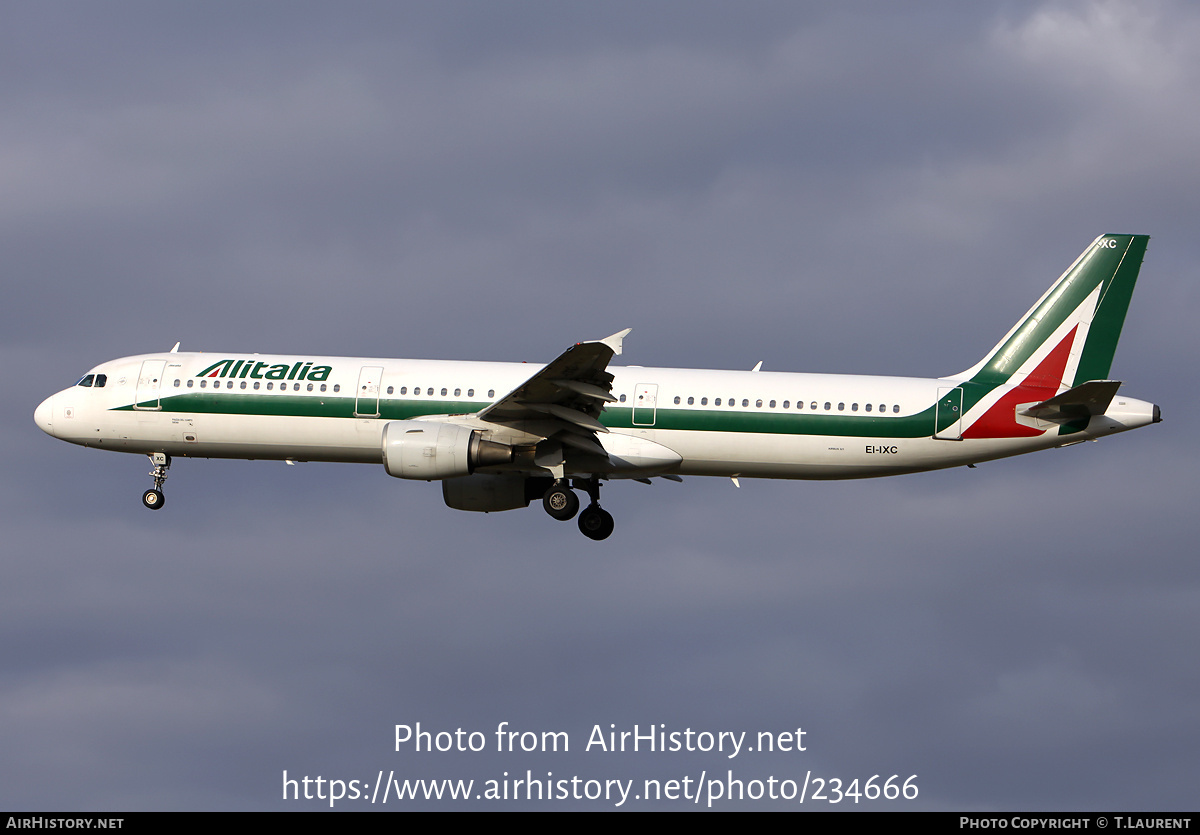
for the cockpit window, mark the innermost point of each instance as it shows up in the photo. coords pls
(87, 381)
(101, 379)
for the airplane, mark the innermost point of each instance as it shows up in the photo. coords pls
(500, 435)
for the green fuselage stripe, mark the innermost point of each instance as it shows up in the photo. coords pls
(919, 425)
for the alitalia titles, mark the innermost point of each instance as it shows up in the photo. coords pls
(254, 370)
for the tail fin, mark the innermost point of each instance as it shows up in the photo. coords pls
(1078, 321)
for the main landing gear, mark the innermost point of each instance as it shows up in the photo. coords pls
(560, 501)
(562, 504)
(153, 498)
(595, 522)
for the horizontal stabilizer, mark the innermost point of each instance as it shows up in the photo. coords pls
(1086, 400)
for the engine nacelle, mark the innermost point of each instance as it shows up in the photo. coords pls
(430, 451)
(487, 493)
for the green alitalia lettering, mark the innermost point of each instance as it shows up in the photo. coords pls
(211, 371)
(242, 369)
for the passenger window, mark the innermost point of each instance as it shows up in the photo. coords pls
(443, 392)
(732, 402)
(189, 383)
(242, 384)
(256, 385)
(814, 405)
(772, 404)
(691, 401)
(717, 402)
(429, 391)
(882, 407)
(391, 390)
(323, 388)
(295, 387)
(622, 398)
(269, 385)
(676, 400)
(470, 392)
(458, 392)
(177, 384)
(841, 407)
(229, 385)
(758, 404)
(854, 407)
(203, 383)
(703, 401)
(310, 387)
(868, 407)
(896, 408)
(785, 404)
(491, 392)
(828, 405)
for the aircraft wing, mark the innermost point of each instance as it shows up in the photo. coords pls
(569, 392)
(1085, 400)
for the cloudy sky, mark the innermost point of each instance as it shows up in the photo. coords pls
(867, 188)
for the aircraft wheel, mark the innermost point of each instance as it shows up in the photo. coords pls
(596, 523)
(561, 502)
(153, 499)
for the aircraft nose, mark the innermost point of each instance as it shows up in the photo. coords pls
(43, 415)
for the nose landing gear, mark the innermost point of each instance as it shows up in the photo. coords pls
(153, 498)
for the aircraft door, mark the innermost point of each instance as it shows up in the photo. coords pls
(948, 412)
(148, 385)
(645, 403)
(366, 399)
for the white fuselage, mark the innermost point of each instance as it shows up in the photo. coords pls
(716, 423)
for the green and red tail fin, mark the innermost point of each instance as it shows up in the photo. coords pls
(1071, 333)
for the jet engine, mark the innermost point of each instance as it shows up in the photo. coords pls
(487, 493)
(430, 451)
